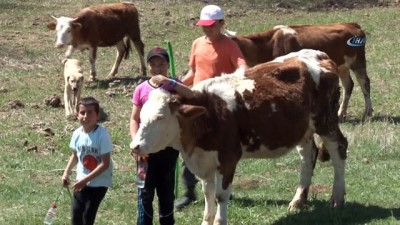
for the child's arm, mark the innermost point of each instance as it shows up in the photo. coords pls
(134, 120)
(182, 89)
(189, 77)
(73, 160)
(103, 166)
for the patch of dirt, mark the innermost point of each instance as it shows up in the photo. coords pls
(247, 183)
(318, 189)
(16, 104)
(53, 101)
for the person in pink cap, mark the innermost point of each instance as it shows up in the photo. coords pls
(211, 55)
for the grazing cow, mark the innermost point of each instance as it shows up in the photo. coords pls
(343, 42)
(101, 26)
(261, 113)
(73, 86)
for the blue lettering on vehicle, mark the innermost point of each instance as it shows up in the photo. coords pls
(356, 41)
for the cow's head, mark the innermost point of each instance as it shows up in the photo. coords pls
(64, 27)
(159, 125)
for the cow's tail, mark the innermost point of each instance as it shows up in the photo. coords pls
(320, 150)
(128, 48)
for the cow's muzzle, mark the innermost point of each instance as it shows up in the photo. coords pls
(59, 45)
(135, 148)
(135, 152)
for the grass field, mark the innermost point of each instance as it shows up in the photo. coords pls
(34, 137)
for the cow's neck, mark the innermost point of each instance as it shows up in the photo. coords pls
(204, 130)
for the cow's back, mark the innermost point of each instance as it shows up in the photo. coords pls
(257, 47)
(331, 39)
(286, 99)
(105, 25)
(274, 107)
(279, 108)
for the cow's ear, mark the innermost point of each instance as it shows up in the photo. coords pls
(191, 111)
(51, 26)
(76, 26)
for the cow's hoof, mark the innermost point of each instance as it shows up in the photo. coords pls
(342, 118)
(296, 205)
(336, 203)
(92, 78)
(208, 220)
(367, 115)
(111, 75)
(220, 222)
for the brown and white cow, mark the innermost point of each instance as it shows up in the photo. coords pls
(101, 26)
(261, 113)
(343, 42)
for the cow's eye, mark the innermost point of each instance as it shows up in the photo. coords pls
(158, 118)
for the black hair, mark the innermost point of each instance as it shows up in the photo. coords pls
(87, 101)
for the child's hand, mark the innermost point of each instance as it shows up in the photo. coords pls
(79, 185)
(159, 80)
(138, 157)
(65, 181)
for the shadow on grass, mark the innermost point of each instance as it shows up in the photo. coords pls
(319, 212)
(373, 119)
(105, 83)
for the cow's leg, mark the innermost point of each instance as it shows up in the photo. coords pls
(69, 51)
(348, 84)
(120, 54)
(222, 197)
(208, 185)
(139, 46)
(337, 147)
(92, 60)
(307, 156)
(363, 81)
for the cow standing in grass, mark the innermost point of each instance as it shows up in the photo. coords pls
(261, 113)
(101, 26)
(343, 42)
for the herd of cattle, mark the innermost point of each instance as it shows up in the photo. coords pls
(288, 97)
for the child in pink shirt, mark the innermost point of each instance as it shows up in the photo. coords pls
(160, 175)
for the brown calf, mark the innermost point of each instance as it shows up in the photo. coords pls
(343, 42)
(101, 26)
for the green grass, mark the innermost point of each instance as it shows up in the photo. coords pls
(31, 72)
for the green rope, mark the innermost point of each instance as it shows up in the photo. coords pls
(171, 60)
(173, 75)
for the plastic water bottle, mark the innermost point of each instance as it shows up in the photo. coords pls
(51, 215)
(141, 173)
